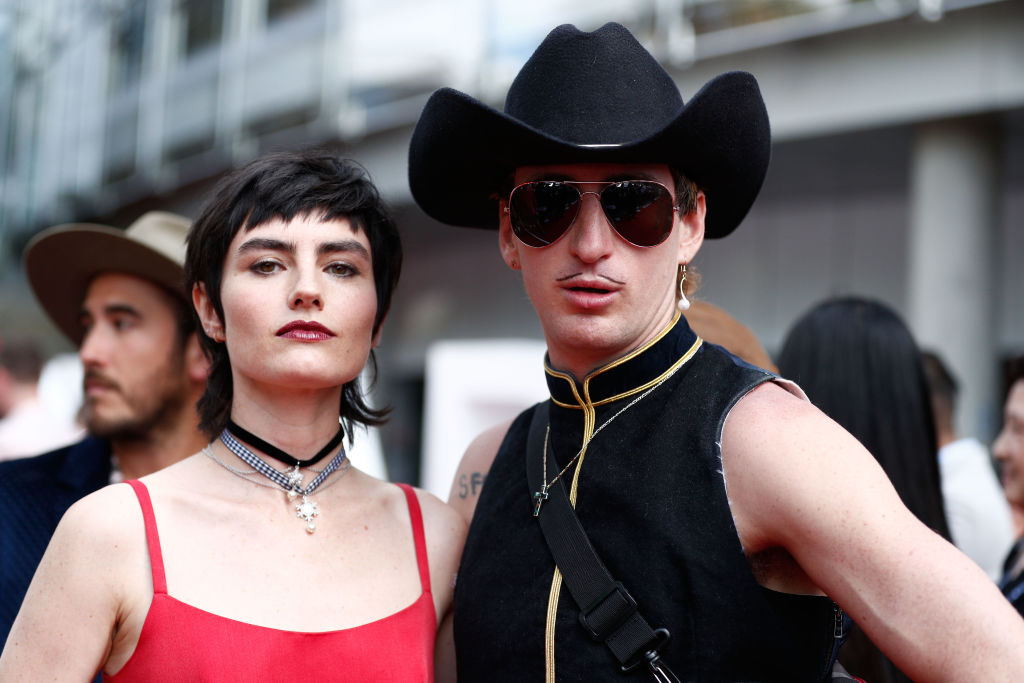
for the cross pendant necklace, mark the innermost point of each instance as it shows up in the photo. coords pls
(540, 496)
(306, 510)
(289, 481)
(538, 499)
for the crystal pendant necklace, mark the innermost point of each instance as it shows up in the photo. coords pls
(289, 481)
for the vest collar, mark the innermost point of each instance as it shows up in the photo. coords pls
(627, 375)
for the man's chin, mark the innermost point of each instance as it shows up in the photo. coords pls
(105, 427)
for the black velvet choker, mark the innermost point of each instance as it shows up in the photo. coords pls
(277, 454)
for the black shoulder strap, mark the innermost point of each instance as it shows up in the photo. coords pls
(607, 611)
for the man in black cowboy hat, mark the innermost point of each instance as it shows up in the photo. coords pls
(118, 295)
(718, 499)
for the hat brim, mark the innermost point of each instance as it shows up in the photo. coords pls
(61, 262)
(463, 151)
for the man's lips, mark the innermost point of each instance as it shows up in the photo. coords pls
(589, 292)
(590, 281)
(305, 330)
(93, 383)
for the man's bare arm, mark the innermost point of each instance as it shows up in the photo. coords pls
(472, 472)
(798, 481)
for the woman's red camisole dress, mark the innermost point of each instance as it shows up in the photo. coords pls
(183, 643)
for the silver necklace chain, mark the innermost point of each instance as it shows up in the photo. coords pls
(540, 496)
(289, 480)
(254, 477)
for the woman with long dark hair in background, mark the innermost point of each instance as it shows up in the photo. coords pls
(858, 362)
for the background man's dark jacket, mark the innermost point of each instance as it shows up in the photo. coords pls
(34, 494)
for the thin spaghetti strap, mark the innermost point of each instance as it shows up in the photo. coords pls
(416, 517)
(156, 558)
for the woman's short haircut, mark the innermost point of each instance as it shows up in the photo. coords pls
(283, 186)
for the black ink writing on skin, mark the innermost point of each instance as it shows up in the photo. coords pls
(470, 484)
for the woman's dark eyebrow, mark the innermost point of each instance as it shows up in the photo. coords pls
(338, 246)
(342, 246)
(257, 243)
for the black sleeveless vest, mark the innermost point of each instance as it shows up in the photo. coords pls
(651, 497)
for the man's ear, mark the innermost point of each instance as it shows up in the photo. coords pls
(507, 241)
(197, 365)
(691, 229)
(208, 318)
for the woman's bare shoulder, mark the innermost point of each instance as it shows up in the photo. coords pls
(110, 514)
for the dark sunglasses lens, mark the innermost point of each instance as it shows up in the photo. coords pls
(541, 212)
(640, 211)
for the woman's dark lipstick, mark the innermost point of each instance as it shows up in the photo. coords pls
(305, 330)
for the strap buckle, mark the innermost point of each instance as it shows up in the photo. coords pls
(661, 672)
(603, 617)
(649, 656)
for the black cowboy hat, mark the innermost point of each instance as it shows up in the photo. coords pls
(591, 97)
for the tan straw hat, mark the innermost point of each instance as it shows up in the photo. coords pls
(62, 260)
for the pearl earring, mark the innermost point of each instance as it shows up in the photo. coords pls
(683, 304)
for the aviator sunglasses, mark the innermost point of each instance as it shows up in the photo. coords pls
(541, 211)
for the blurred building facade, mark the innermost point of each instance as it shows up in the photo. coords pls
(897, 173)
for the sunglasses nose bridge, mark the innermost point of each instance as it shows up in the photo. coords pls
(581, 206)
(591, 231)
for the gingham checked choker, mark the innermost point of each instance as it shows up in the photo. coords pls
(289, 481)
(276, 453)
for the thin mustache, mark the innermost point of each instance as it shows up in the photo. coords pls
(96, 376)
(597, 276)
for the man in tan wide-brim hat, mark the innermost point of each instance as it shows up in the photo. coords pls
(117, 294)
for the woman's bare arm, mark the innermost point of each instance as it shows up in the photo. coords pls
(65, 628)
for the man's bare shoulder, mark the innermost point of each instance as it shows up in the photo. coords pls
(472, 471)
(770, 402)
(782, 457)
(775, 418)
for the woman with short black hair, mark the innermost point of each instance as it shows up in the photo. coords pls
(266, 556)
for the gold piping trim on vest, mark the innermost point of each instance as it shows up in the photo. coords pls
(626, 394)
(614, 364)
(589, 419)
